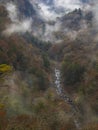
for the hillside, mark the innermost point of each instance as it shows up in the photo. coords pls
(48, 69)
(25, 59)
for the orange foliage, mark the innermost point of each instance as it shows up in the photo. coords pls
(91, 126)
(3, 120)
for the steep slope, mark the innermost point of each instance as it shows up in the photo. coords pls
(28, 98)
(29, 68)
(79, 71)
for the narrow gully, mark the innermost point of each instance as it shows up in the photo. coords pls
(66, 98)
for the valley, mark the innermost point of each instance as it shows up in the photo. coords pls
(48, 65)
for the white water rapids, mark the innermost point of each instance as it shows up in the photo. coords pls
(66, 98)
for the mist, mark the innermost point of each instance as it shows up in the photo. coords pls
(68, 4)
(57, 9)
(17, 25)
(47, 13)
(95, 13)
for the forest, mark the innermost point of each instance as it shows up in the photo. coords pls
(49, 85)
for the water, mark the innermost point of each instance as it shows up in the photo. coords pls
(65, 97)
(60, 90)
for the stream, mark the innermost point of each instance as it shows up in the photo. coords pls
(65, 97)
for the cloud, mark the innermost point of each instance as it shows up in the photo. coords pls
(51, 12)
(17, 25)
(95, 13)
(47, 13)
(95, 18)
(13, 11)
(20, 27)
(49, 31)
(68, 4)
(57, 9)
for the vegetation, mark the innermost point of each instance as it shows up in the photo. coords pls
(72, 72)
(46, 61)
(42, 45)
(28, 99)
(4, 68)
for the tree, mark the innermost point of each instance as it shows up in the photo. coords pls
(72, 72)
(46, 62)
